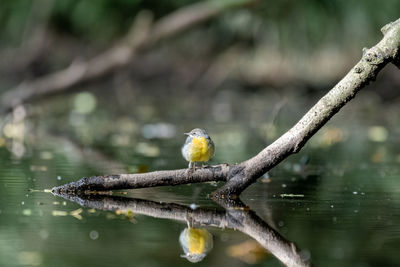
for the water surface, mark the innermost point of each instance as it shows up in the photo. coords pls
(337, 200)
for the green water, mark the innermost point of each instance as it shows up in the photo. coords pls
(337, 200)
(344, 210)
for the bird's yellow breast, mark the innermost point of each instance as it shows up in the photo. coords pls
(200, 150)
(197, 240)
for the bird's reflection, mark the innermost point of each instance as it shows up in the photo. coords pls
(195, 240)
(196, 243)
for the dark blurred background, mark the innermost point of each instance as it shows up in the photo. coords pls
(263, 62)
(257, 66)
(267, 43)
(247, 74)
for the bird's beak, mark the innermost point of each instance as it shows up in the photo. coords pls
(186, 133)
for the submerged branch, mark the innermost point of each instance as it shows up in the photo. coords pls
(143, 36)
(235, 216)
(241, 175)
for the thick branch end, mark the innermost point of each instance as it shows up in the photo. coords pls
(385, 29)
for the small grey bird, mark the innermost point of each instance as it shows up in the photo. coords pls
(198, 147)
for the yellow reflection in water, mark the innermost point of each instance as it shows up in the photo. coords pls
(196, 243)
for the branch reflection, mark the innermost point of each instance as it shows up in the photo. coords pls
(195, 240)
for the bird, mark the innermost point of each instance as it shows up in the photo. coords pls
(196, 243)
(198, 147)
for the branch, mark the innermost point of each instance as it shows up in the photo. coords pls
(235, 216)
(240, 176)
(366, 70)
(143, 36)
(142, 180)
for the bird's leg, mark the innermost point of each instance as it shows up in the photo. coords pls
(189, 220)
(191, 168)
(192, 165)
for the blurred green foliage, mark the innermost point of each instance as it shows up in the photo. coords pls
(301, 24)
(89, 20)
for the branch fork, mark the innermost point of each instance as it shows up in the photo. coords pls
(239, 176)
